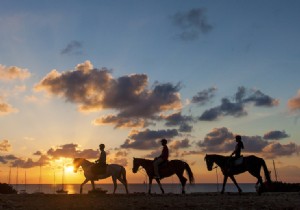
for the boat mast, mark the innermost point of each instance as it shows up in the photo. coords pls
(275, 170)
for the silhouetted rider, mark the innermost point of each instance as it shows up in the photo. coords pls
(238, 147)
(101, 162)
(162, 158)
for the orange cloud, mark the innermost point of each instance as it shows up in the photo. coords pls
(294, 103)
(13, 72)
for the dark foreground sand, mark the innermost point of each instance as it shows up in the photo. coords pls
(156, 202)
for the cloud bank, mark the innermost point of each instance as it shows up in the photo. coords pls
(237, 106)
(95, 89)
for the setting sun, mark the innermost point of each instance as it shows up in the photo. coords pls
(69, 169)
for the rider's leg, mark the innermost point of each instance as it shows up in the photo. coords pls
(156, 164)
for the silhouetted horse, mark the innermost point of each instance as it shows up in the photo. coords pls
(172, 167)
(252, 164)
(113, 170)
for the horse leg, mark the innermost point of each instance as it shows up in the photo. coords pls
(236, 184)
(124, 182)
(93, 184)
(115, 184)
(182, 180)
(83, 183)
(224, 183)
(158, 182)
(150, 184)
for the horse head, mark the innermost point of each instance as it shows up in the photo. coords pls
(209, 162)
(76, 164)
(136, 164)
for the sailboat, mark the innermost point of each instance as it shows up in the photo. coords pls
(62, 190)
(25, 183)
(39, 190)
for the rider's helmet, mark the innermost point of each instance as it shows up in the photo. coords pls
(238, 138)
(101, 146)
(164, 141)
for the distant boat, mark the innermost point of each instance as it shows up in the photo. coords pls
(62, 190)
(39, 190)
(25, 183)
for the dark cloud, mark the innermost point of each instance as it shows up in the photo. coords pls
(275, 135)
(7, 158)
(74, 47)
(185, 128)
(192, 23)
(185, 143)
(221, 140)
(153, 154)
(236, 107)
(276, 149)
(94, 89)
(72, 151)
(218, 140)
(294, 103)
(204, 96)
(29, 163)
(177, 119)
(147, 139)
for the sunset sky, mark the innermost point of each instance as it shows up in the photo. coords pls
(127, 73)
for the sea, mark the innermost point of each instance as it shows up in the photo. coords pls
(133, 188)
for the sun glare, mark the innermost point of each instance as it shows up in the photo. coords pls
(69, 169)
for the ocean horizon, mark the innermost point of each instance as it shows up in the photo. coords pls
(133, 188)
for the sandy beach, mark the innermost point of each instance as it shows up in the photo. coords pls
(156, 201)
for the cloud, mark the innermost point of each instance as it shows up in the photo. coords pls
(13, 72)
(95, 89)
(29, 163)
(218, 140)
(153, 154)
(7, 158)
(237, 107)
(74, 47)
(5, 146)
(204, 96)
(275, 135)
(185, 143)
(147, 139)
(294, 103)
(221, 140)
(177, 119)
(6, 108)
(276, 149)
(71, 151)
(120, 161)
(192, 23)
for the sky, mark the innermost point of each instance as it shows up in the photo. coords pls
(74, 74)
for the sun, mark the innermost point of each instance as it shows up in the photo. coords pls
(69, 169)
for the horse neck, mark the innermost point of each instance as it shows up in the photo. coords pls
(85, 163)
(220, 160)
(146, 164)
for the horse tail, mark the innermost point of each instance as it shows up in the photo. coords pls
(190, 173)
(267, 174)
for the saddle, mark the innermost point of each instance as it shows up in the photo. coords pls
(163, 164)
(238, 161)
